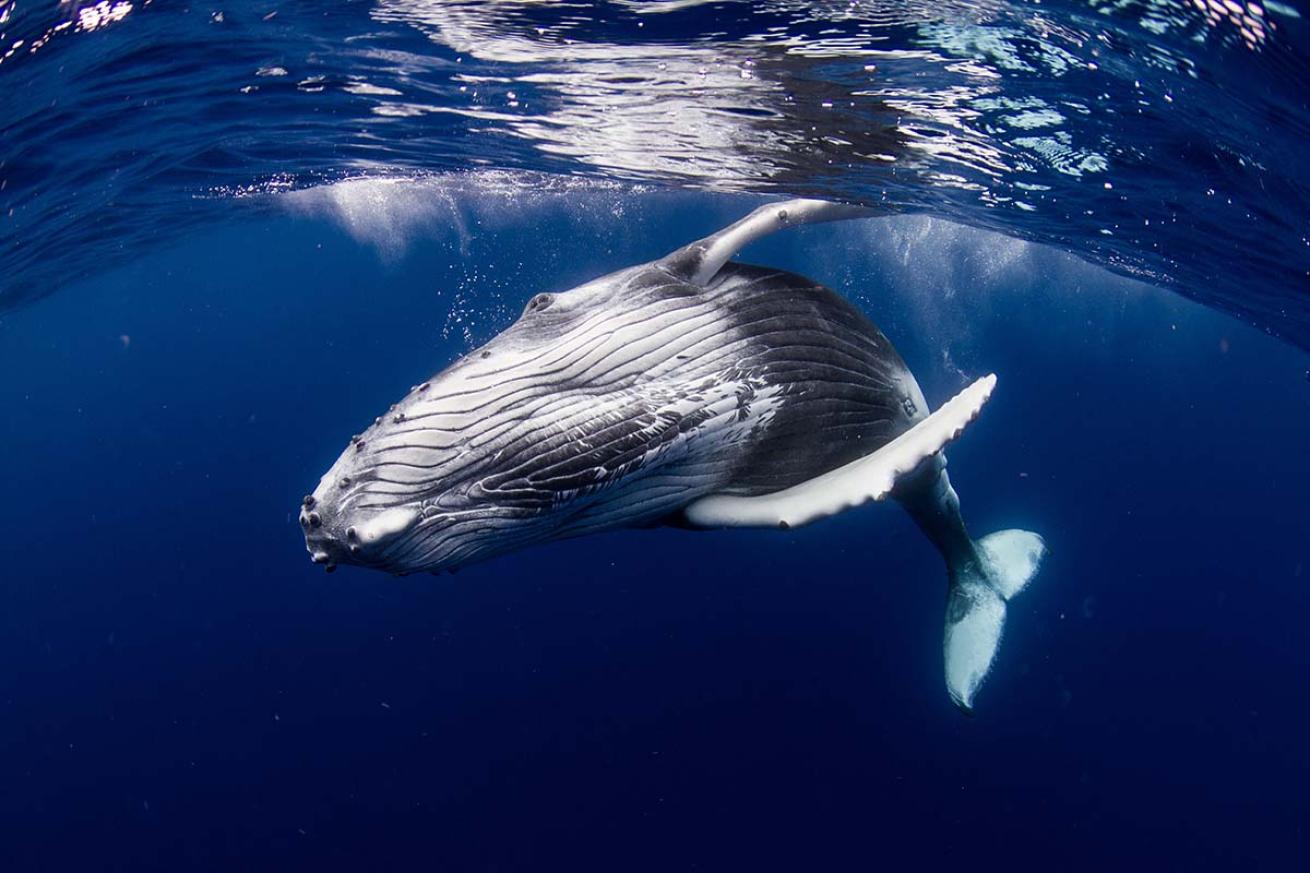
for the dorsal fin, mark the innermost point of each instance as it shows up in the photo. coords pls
(701, 261)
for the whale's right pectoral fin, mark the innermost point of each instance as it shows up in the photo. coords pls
(869, 478)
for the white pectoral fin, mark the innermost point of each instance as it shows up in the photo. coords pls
(869, 478)
(701, 260)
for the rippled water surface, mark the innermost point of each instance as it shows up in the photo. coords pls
(1160, 139)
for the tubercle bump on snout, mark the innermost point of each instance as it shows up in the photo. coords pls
(538, 303)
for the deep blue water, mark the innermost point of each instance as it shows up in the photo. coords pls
(183, 690)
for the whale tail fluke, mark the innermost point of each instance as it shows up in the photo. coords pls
(982, 581)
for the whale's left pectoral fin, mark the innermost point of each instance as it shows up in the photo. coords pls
(869, 478)
(700, 261)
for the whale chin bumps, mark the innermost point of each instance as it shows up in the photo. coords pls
(346, 520)
(335, 537)
(691, 391)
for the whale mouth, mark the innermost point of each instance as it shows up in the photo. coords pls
(326, 546)
(333, 537)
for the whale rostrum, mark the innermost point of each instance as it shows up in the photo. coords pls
(692, 391)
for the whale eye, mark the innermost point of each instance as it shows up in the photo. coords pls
(538, 303)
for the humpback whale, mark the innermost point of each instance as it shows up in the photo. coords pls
(692, 391)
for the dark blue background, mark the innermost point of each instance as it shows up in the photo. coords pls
(182, 689)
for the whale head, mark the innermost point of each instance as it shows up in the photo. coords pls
(485, 456)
